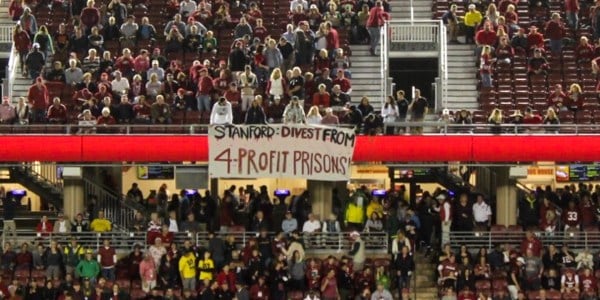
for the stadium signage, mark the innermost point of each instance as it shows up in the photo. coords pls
(292, 151)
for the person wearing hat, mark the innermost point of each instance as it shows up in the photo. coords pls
(472, 19)
(88, 268)
(357, 251)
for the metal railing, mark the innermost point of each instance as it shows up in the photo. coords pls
(10, 73)
(115, 209)
(125, 240)
(6, 34)
(442, 128)
(414, 32)
(429, 127)
(43, 173)
(488, 239)
(384, 63)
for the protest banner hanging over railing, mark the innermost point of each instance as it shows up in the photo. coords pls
(292, 151)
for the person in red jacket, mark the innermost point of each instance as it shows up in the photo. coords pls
(333, 38)
(343, 82)
(107, 257)
(22, 43)
(44, 227)
(15, 10)
(531, 118)
(584, 53)
(572, 12)
(535, 40)
(557, 98)
(485, 37)
(227, 277)
(259, 291)
(321, 98)
(205, 87)
(39, 99)
(90, 16)
(376, 20)
(125, 63)
(57, 112)
(589, 286)
(531, 242)
(555, 31)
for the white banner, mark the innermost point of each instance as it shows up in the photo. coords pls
(272, 151)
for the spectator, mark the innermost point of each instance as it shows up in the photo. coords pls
(107, 257)
(555, 32)
(575, 98)
(273, 56)
(482, 214)
(290, 224)
(313, 117)
(34, 61)
(44, 227)
(418, 108)
(54, 261)
(496, 119)
(485, 37)
(57, 113)
(357, 251)
(222, 112)
(88, 268)
(330, 118)
(62, 225)
(255, 114)
(7, 111)
(79, 225)
(187, 269)
(120, 85)
(338, 99)
(572, 12)
(148, 273)
(206, 267)
(485, 66)
(101, 224)
(551, 118)
(569, 282)
(389, 113)
(28, 22)
(22, 44)
(15, 10)
(90, 16)
(294, 113)
(374, 223)
(472, 19)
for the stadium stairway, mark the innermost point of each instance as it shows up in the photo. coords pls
(426, 288)
(36, 183)
(5, 20)
(366, 76)
(421, 10)
(462, 83)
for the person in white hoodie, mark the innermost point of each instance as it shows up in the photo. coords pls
(389, 113)
(221, 113)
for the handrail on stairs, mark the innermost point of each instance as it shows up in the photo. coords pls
(119, 211)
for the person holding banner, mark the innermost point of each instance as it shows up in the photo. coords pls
(222, 113)
(294, 113)
(255, 114)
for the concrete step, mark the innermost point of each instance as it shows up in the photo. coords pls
(461, 81)
(371, 59)
(459, 87)
(468, 65)
(462, 58)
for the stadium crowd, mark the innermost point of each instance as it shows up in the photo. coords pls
(144, 62)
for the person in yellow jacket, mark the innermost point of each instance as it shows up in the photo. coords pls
(101, 224)
(187, 270)
(206, 267)
(355, 216)
(472, 19)
(375, 207)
